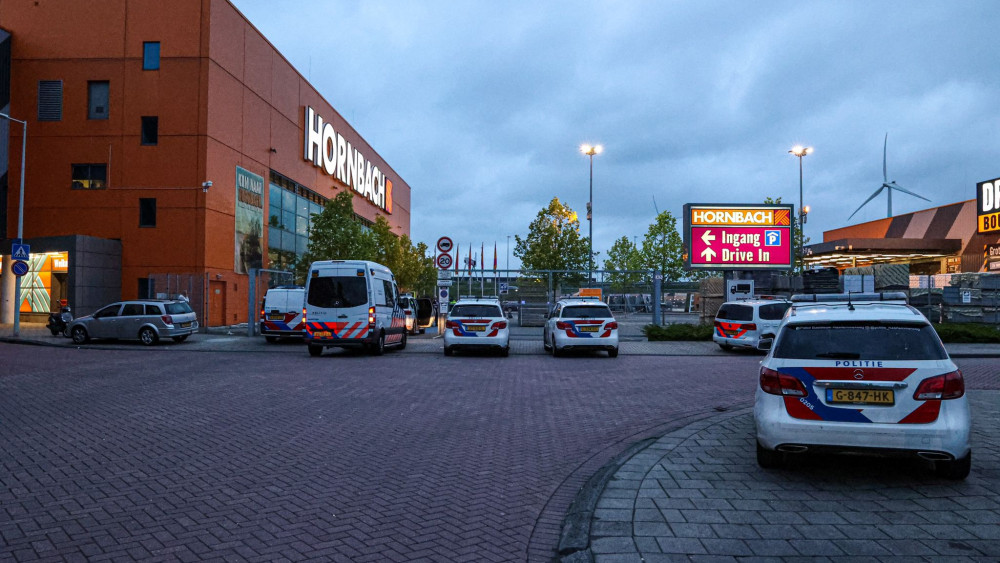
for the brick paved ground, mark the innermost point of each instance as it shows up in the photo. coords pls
(697, 494)
(189, 452)
(168, 453)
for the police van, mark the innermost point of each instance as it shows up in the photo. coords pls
(352, 304)
(281, 313)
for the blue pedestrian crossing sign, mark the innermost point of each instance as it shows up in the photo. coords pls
(20, 251)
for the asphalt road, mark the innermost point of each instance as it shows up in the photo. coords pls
(168, 454)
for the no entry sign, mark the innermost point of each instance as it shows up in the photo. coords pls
(738, 236)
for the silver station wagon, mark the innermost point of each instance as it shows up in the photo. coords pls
(146, 320)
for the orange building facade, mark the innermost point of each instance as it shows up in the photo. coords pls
(178, 130)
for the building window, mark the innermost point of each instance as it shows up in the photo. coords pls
(97, 99)
(151, 55)
(50, 100)
(147, 211)
(150, 129)
(90, 176)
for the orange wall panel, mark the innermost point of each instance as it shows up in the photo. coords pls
(285, 85)
(257, 63)
(226, 38)
(871, 229)
(256, 141)
(225, 107)
(51, 30)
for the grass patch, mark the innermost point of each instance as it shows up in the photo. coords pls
(967, 333)
(678, 331)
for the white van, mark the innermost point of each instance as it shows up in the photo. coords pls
(352, 304)
(281, 313)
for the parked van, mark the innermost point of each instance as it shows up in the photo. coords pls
(281, 313)
(352, 304)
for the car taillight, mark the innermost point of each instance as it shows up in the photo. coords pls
(451, 324)
(501, 324)
(167, 319)
(371, 316)
(780, 384)
(407, 312)
(611, 326)
(560, 325)
(946, 386)
(749, 326)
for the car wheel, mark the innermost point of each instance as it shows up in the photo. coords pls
(504, 352)
(613, 353)
(726, 347)
(556, 352)
(545, 344)
(402, 343)
(423, 330)
(956, 470)
(379, 347)
(315, 350)
(148, 336)
(271, 339)
(181, 338)
(448, 351)
(769, 459)
(79, 335)
(65, 332)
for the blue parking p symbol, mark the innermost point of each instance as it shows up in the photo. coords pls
(772, 238)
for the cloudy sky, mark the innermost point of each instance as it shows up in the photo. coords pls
(481, 106)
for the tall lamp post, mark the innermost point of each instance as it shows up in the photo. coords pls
(20, 223)
(591, 150)
(508, 261)
(800, 151)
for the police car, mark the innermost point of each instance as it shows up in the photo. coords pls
(476, 324)
(580, 324)
(861, 373)
(748, 324)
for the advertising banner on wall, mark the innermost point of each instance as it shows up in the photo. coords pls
(249, 221)
(735, 236)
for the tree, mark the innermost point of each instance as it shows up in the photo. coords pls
(624, 255)
(554, 242)
(663, 248)
(335, 234)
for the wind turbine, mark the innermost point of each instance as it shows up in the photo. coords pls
(886, 184)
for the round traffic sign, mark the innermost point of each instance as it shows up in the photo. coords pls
(444, 261)
(19, 267)
(444, 244)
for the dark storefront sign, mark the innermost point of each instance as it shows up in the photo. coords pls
(991, 255)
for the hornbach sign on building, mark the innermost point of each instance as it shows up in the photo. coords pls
(737, 236)
(988, 206)
(329, 150)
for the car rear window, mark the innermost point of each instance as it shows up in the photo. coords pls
(476, 311)
(774, 311)
(860, 341)
(178, 308)
(337, 291)
(733, 312)
(587, 312)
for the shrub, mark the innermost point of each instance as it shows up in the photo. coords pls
(956, 333)
(678, 331)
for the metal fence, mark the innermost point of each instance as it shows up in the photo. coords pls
(181, 286)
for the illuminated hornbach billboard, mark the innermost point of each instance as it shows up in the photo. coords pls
(988, 206)
(737, 236)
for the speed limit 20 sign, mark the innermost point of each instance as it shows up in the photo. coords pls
(444, 261)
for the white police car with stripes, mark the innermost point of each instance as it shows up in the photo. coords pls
(862, 373)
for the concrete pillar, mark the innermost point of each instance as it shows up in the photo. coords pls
(7, 281)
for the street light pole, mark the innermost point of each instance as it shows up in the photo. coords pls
(800, 151)
(590, 151)
(20, 223)
(508, 260)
